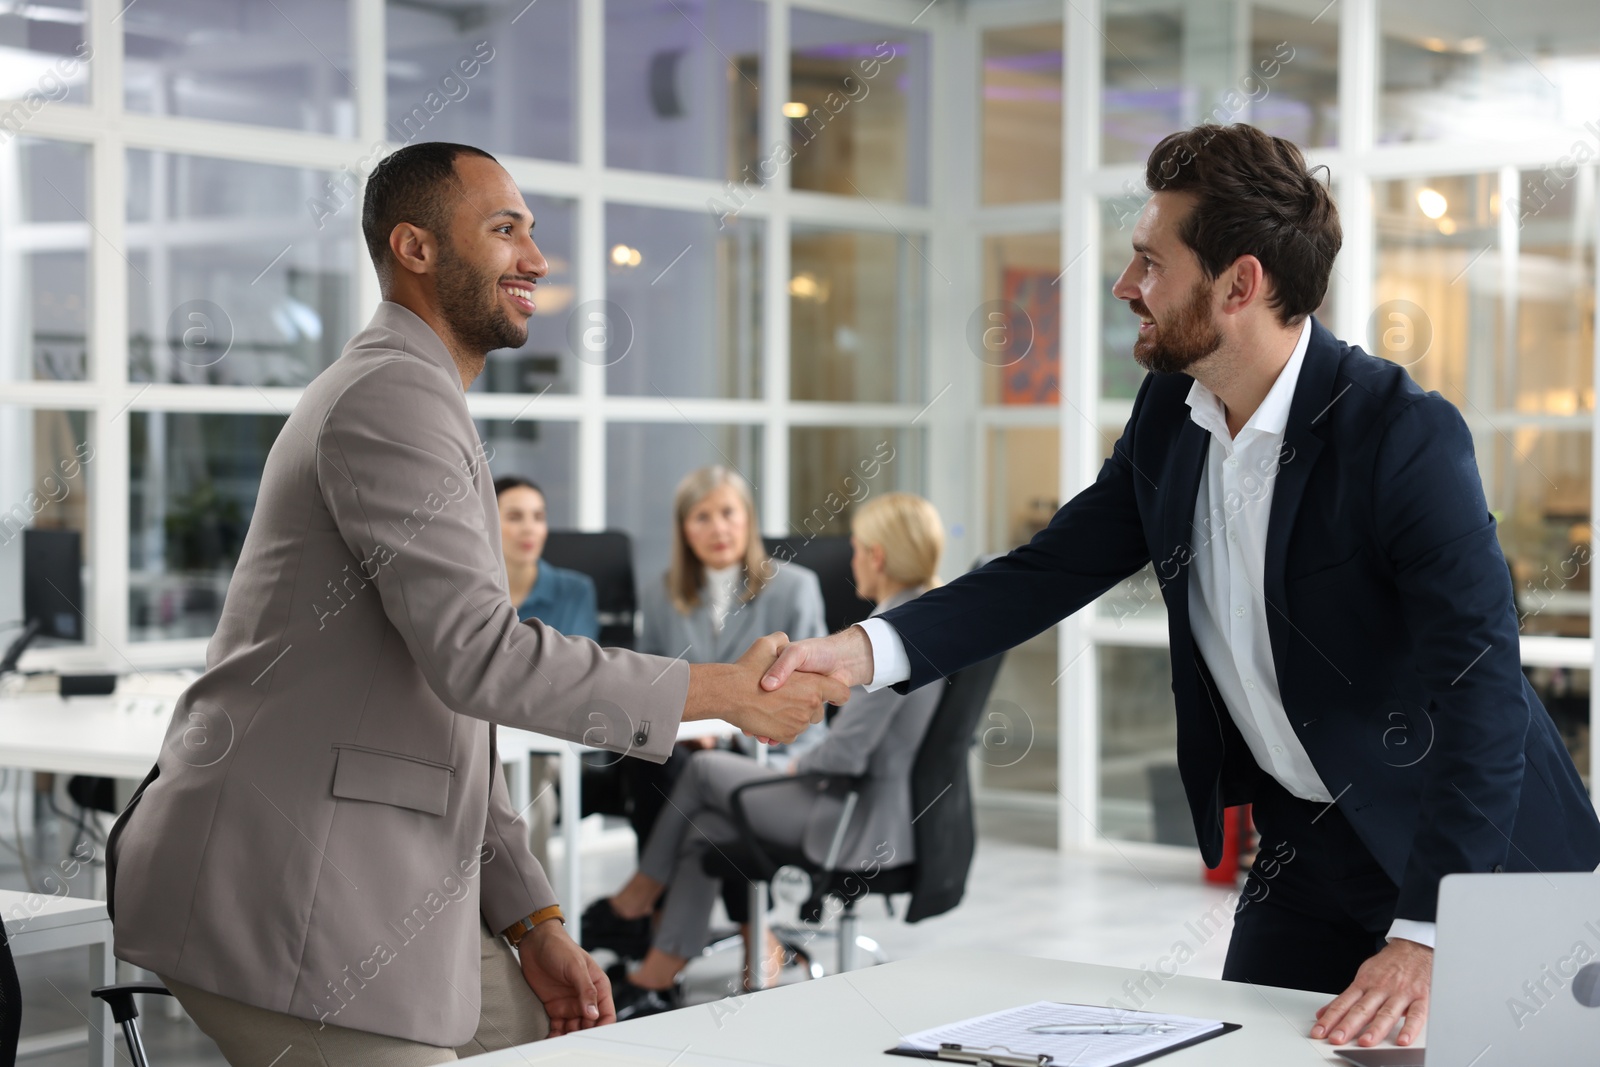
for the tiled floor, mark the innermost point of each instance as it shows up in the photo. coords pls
(1129, 908)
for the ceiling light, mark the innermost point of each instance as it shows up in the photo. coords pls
(1432, 202)
(623, 256)
(803, 286)
(794, 109)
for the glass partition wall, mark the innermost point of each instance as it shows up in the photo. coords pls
(736, 199)
(1461, 141)
(784, 236)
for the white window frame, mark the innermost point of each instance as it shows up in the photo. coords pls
(108, 395)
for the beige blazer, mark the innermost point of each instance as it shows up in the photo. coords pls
(328, 819)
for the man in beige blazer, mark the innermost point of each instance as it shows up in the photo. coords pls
(324, 859)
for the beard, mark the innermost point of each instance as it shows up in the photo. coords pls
(1179, 344)
(470, 302)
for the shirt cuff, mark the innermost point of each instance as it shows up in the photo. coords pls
(1413, 930)
(890, 664)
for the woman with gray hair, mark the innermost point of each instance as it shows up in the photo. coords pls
(721, 591)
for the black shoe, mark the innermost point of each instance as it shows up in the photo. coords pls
(635, 1002)
(604, 928)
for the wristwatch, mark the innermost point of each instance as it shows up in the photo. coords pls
(520, 929)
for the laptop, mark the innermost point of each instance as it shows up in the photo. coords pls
(1516, 976)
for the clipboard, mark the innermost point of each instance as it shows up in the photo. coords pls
(1004, 1039)
(995, 1058)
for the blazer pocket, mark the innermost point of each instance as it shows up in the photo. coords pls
(390, 778)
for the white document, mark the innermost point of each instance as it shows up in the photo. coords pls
(1007, 1033)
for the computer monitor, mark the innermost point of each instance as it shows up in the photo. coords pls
(52, 590)
(52, 582)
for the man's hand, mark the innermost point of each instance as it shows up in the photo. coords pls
(574, 990)
(732, 691)
(846, 656)
(1393, 983)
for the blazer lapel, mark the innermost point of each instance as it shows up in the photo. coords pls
(1308, 417)
(1177, 547)
(1172, 559)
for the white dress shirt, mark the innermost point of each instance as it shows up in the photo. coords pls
(722, 589)
(1227, 608)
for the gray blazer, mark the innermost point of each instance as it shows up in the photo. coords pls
(875, 735)
(328, 819)
(791, 603)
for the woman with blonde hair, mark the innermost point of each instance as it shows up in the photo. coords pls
(897, 540)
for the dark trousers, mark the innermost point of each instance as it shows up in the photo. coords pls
(1315, 905)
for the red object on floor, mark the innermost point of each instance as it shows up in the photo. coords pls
(1235, 828)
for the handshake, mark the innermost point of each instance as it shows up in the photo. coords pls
(778, 687)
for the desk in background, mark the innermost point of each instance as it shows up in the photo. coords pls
(120, 736)
(38, 922)
(848, 1020)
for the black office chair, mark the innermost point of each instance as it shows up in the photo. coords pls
(126, 1013)
(607, 558)
(10, 1003)
(944, 831)
(119, 997)
(829, 557)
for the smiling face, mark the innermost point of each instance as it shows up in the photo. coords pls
(717, 528)
(523, 526)
(1165, 286)
(488, 263)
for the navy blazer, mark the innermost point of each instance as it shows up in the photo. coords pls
(1390, 613)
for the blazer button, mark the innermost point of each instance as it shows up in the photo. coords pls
(642, 735)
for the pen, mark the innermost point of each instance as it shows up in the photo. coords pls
(1102, 1028)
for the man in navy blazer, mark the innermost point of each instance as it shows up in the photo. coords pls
(1343, 633)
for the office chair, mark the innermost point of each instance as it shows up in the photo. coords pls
(119, 997)
(10, 1003)
(829, 558)
(607, 558)
(126, 1013)
(945, 833)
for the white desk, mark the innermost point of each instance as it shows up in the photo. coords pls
(37, 923)
(848, 1020)
(120, 736)
(113, 737)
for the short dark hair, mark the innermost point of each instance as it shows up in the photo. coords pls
(513, 481)
(411, 185)
(1254, 196)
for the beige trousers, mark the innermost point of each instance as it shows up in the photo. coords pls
(255, 1037)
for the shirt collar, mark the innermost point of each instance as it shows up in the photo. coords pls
(1272, 417)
